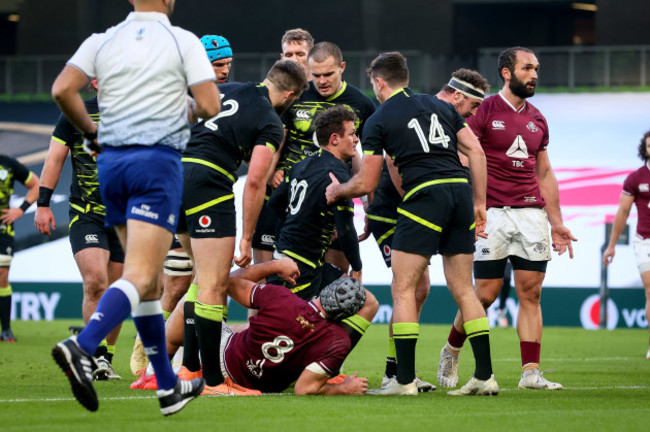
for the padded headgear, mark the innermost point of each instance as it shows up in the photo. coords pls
(217, 47)
(342, 298)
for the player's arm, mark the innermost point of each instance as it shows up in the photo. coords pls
(469, 145)
(50, 175)
(560, 235)
(12, 214)
(253, 200)
(394, 174)
(242, 281)
(206, 102)
(65, 92)
(619, 224)
(347, 235)
(312, 383)
(362, 183)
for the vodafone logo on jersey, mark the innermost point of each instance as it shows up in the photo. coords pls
(386, 250)
(590, 313)
(205, 221)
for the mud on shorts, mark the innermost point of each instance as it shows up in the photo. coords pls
(87, 230)
(436, 218)
(208, 203)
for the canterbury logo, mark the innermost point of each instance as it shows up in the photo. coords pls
(91, 238)
(151, 350)
(96, 316)
(303, 115)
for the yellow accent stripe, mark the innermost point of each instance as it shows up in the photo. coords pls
(381, 219)
(406, 330)
(300, 287)
(432, 183)
(358, 323)
(29, 177)
(78, 208)
(345, 208)
(211, 165)
(59, 140)
(368, 152)
(419, 220)
(338, 93)
(5, 292)
(477, 327)
(192, 293)
(472, 226)
(74, 219)
(388, 233)
(209, 312)
(299, 258)
(272, 147)
(209, 204)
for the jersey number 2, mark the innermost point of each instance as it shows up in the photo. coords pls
(233, 107)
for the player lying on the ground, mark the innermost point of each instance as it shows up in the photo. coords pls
(289, 339)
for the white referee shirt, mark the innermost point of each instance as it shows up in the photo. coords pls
(144, 66)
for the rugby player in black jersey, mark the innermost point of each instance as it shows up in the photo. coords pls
(326, 89)
(423, 134)
(309, 221)
(248, 128)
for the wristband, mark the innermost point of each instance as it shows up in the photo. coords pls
(25, 205)
(44, 196)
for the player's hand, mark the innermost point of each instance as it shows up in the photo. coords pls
(90, 144)
(480, 216)
(608, 255)
(43, 219)
(288, 270)
(562, 238)
(10, 215)
(330, 192)
(356, 275)
(355, 385)
(366, 230)
(245, 253)
(277, 178)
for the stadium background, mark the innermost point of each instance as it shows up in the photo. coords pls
(584, 56)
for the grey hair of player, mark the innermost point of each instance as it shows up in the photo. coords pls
(643, 151)
(324, 50)
(331, 121)
(298, 35)
(469, 76)
(288, 76)
(392, 67)
(342, 298)
(508, 59)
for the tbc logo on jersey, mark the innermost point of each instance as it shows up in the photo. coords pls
(205, 221)
(96, 316)
(91, 238)
(643, 187)
(3, 174)
(532, 127)
(590, 313)
(498, 125)
(255, 367)
(145, 211)
(268, 239)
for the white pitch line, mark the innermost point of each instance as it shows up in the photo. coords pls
(590, 359)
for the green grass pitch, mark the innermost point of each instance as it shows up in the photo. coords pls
(605, 374)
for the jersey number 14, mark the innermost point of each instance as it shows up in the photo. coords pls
(436, 133)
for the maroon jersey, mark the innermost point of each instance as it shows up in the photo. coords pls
(287, 335)
(637, 184)
(511, 141)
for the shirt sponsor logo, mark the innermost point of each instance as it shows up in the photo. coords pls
(532, 127)
(386, 250)
(643, 187)
(205, 221)
(498, 125)
(303, 115)
(145, 211)
(518, 149)
(255, 367)
(91, 239)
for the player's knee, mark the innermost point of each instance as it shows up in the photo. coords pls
(485, 298)
(95, 284)
(370, 307)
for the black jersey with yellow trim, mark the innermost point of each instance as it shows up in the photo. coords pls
(84, 189)
(419, 132)
(299, 117)
(10, 171)
(307, 230)
(247, 119)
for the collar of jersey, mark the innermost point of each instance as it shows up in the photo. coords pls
(148, 16)
(403, 89)
(338, 93)
(511, 105)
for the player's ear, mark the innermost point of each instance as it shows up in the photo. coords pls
(342, 66)
(505, 73)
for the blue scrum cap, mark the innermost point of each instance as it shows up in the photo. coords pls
(217, 47)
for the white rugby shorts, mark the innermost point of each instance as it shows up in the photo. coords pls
(5, 260)
(642, 252)
(522, 232)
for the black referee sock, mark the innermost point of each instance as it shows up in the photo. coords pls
(190, 341)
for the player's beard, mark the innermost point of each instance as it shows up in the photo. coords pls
(519, 89)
